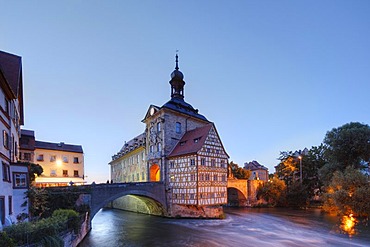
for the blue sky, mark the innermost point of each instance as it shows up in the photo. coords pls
(272, 75)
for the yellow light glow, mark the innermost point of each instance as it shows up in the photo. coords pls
(348, 224)
(59, 162)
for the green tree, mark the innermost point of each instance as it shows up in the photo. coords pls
(311, 164)
(348, 193)
(35, 169)
(39, 199)
(238, 172)
(273, 192)
(288, 168)
(348, 145)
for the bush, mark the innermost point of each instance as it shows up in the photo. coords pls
(70, 216)
(5, 240)
(45, 231)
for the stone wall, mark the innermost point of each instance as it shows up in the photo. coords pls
(192, 211)
(71, 239)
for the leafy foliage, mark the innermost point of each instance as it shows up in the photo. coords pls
(5, 240)
(39, 202)
(45, 231)
(273, 192)
(238, 172)
(348, 193)
(348, 145)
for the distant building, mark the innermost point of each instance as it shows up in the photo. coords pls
(13, 176)
(259, 172)
(182, 149)
(63, 164)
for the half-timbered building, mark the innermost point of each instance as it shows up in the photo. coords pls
(183, 150)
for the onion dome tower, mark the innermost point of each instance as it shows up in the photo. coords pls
(177, 82)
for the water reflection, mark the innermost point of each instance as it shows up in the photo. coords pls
(348, 225)
(242, 227)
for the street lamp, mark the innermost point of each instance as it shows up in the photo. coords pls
(300, 168)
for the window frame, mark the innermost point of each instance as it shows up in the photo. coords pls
(25, 178)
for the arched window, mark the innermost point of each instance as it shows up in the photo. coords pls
(159, 127)
(178, 128)
(159, 147)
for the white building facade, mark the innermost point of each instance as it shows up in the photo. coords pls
(13, 178)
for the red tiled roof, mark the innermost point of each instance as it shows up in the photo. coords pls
(188, 145)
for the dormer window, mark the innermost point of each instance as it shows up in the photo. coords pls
(196, 140)
(182, 143)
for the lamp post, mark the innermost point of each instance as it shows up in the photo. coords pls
(300, 168)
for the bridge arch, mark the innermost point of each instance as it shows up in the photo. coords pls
(97, 202)
(99, 195)
(237, 192)
(235, 197)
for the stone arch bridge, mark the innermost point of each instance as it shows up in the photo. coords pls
(99, 195)
(96, 196)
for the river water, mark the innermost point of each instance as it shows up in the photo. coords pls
(242, 227)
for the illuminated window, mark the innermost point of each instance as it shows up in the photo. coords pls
(178, 128)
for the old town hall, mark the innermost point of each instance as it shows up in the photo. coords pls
(180, 148)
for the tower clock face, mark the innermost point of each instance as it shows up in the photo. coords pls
(151, 111)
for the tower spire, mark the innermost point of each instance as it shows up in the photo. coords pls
(177, 81)
(177, 60)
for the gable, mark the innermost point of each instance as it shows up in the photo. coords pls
(213, 145)
(152, 110)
